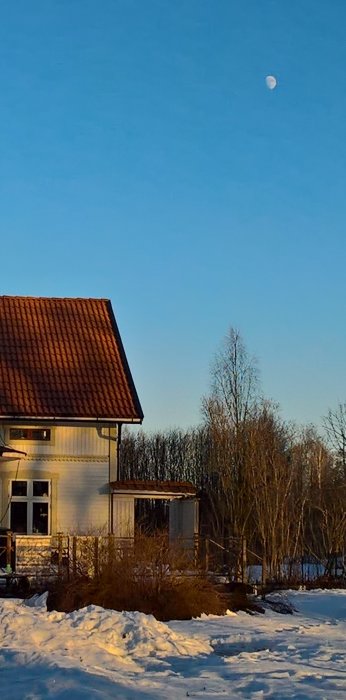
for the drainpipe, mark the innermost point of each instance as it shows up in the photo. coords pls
(113, 435)
(110, 497)
(119, 471)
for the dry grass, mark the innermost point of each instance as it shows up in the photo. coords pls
(149, 577)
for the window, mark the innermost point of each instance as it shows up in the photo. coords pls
(34, 434)
(30, 506)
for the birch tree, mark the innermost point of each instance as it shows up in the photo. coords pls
(227, 412)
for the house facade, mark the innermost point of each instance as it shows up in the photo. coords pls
(65, 392)
(61, 483)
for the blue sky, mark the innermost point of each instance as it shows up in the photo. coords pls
(144, 160)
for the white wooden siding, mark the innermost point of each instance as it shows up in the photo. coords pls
(183, 519)
(124, 516)
(82, 498)
(79, 492)
(83, 441)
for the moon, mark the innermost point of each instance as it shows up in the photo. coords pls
(271, 82)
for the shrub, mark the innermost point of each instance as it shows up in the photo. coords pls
(146, 575)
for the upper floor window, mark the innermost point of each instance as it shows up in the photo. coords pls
(34, 434)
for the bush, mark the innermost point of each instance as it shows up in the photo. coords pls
(147, 576)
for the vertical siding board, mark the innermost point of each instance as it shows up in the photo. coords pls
(80, 441)
(124, 516)
(83, 498)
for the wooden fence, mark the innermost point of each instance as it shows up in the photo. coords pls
(44, 557)
(66, 556)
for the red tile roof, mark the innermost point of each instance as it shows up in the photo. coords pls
(63, 358)
(153, 485)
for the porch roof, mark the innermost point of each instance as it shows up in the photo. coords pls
(148, 487)
(9, 453)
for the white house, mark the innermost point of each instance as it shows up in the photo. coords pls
(65, 392)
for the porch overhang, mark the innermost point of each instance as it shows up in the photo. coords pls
(7, 452)
(153, 489)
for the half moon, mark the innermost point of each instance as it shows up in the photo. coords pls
(271, 82)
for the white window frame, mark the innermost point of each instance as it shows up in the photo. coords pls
(30, 499)
(30, 441)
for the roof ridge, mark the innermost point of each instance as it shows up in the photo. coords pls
(53, 298)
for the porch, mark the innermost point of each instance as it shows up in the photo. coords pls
(180, 497)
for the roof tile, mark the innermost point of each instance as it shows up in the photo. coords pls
(63, 358)
(149, 485)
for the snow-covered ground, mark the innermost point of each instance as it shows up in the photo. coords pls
(94, 654)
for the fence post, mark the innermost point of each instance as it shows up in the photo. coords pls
(243, 560)
(232, 564)
(96, 556)
(68, 556)
(8, 548)
(110, 551)
(264, 566)
(206, 563)
(195, 551)
(74, 556)
(59, 554)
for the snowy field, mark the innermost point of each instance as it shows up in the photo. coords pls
(94, 654)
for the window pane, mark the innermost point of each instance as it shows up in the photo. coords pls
(41, 434)
(19, 488)
(19, 512)
(40, 518)
(17, 434)
(40, 488)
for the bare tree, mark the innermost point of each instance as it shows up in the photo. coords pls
(235, 379)
(335, 426)
(311, 461)
(280, 487)
(227, 411)
(270, 477)
(329, 523)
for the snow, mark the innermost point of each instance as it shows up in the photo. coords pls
(98, 654)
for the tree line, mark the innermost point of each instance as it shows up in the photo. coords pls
(280, 486)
